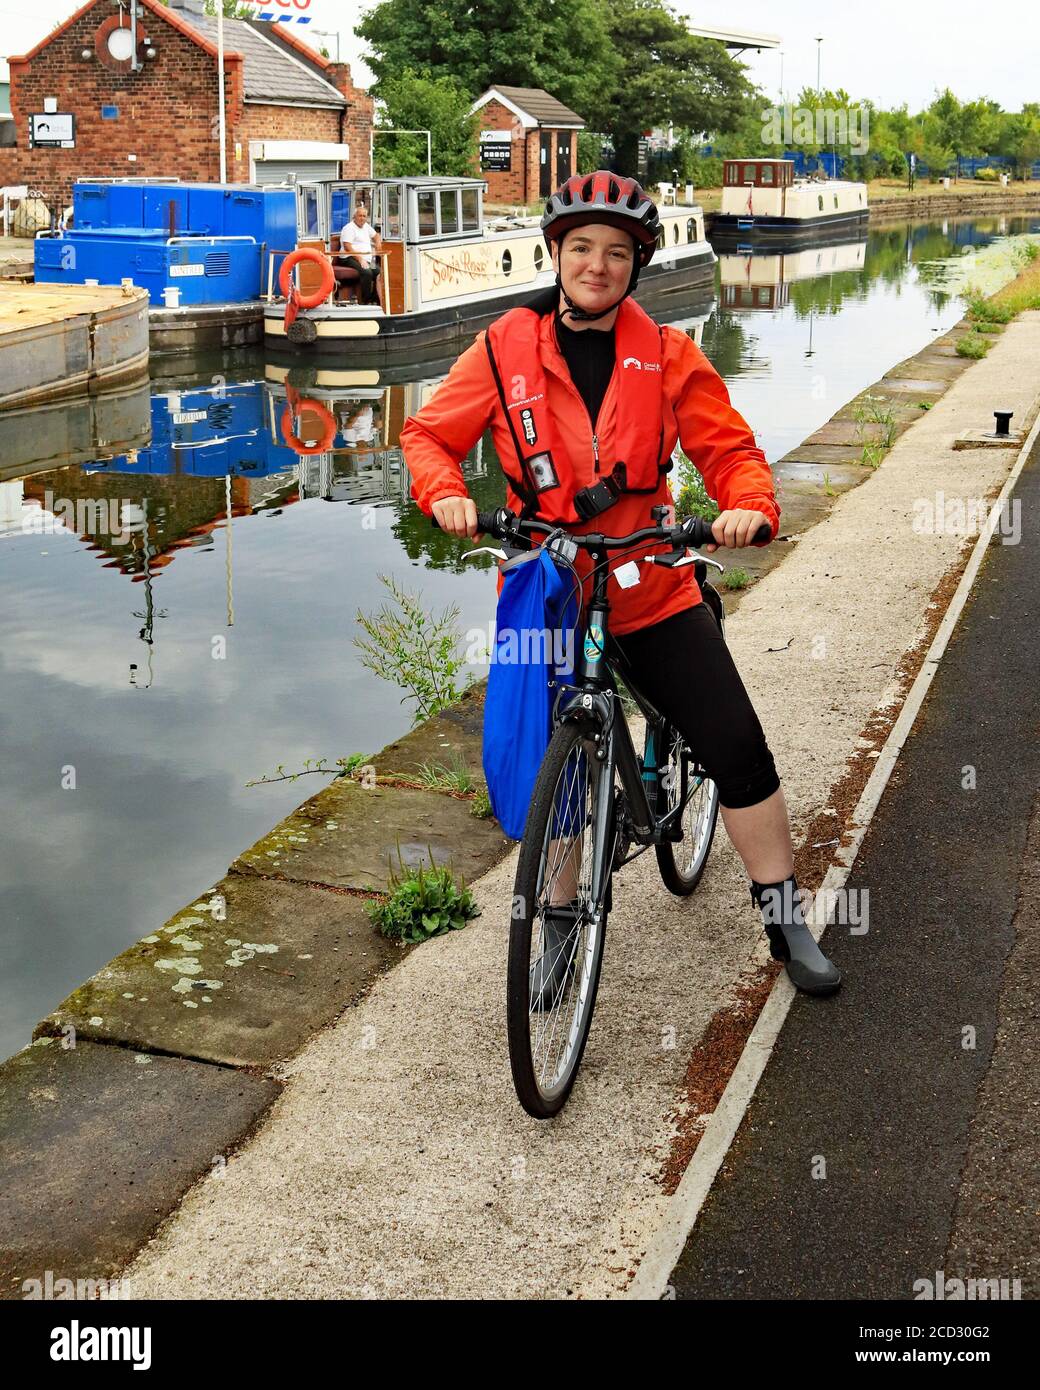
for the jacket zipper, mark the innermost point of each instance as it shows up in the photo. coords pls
(595, 449)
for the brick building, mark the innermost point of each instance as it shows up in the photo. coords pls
(287, 108)
(528, 143)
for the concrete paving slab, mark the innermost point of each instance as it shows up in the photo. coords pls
(457, 732)
(347, 836)
(82, 1188)
(244, 975)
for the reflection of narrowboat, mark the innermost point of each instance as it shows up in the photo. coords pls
(763, 280)
(445, 272)
(762, 201)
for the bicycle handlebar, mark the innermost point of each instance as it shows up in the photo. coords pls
(694, 532)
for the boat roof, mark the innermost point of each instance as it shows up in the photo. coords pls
(421, 181)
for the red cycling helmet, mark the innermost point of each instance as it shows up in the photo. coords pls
(603, 197)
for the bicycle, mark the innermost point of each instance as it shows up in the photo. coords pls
(581, 826)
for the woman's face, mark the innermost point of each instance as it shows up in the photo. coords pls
(595, 265)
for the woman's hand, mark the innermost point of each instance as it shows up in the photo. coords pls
(457, 516)
(736, 528)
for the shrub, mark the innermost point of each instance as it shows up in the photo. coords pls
(423, 902)
(972, 345)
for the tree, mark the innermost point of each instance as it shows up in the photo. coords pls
(232, 9)
(667, 76)
(561, 45)
(437, 104)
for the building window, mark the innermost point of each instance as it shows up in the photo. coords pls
(427, 212)
(470, 210)
(449, 210)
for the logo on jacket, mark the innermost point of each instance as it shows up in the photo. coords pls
(641, 366)
(527, 420)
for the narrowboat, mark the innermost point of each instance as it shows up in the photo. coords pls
(763, 202)
(446, 272)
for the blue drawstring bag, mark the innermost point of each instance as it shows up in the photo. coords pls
(535, 641)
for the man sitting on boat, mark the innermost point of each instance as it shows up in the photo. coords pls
(364, 243)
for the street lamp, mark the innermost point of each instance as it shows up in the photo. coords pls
(819, 42)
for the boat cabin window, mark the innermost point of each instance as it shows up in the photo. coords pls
(767, 173)
(749, 173)
(392, 194)
(470, 210)
(310, 226)
(427, 211)
(450, 210)
(340, 209)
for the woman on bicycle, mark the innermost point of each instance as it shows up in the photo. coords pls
(586, 396)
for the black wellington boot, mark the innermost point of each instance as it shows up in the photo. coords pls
(555, 965)
(790, 940)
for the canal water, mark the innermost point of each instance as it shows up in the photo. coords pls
(182, 567)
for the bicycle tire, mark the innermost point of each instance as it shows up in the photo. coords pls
(681, 876)
(540, 1097)
(678, 878)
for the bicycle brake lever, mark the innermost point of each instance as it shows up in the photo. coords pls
(486, 550)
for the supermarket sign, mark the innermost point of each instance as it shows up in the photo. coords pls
(288, 11)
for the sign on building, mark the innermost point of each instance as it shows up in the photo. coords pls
(290, 11)
(52, 130)
(496, 151)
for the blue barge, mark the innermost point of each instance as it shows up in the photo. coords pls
(204, 252)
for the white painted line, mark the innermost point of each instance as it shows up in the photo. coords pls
(662, 1255)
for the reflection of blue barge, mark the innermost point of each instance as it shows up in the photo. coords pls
(201, 251)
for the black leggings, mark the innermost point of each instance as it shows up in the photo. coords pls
(684, 668)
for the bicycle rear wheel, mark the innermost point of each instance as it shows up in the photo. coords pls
(682, 782)
(552, 973)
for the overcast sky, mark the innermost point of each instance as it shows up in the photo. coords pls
(890, 50)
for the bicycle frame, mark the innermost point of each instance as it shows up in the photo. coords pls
(594, 699)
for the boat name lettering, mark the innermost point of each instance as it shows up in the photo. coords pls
(461, 265)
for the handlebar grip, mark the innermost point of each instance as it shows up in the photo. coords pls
(701, 533)
(486, 522)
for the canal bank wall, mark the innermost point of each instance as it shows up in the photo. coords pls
(156, 1071)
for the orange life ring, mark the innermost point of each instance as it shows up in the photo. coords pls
(328, 277)
(328, 425)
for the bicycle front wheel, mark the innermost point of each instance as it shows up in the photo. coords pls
(559, 919)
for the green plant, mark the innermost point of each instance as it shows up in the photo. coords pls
(414, 650)
(692, 497)
(342, 767)
(736, 579)
(456, 778)
(992, 328)
(925, 405)
(982, 310)
(877, 413)
(423, 902)
(987, 175)
(828, 490)
(973, 345)
(481, 807)
(872, 455)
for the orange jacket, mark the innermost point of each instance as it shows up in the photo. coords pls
(697, 411)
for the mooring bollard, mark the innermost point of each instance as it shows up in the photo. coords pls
(1003, 419)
